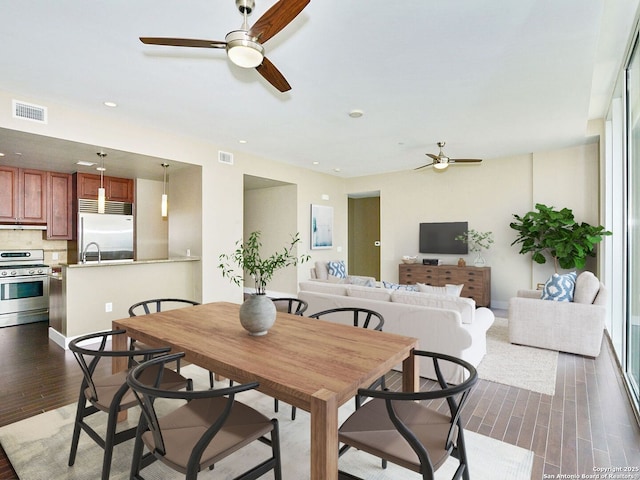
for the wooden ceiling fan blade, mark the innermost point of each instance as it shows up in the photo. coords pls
(465, 160)
(435, 157)
(183, 42)
(276, 18)
(272, 75)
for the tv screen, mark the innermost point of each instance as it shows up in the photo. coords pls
(439, 238)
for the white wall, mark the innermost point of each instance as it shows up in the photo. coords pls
(485, 195)
(151, 228)
(273, 212)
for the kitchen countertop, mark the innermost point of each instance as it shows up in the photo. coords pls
(111, 263)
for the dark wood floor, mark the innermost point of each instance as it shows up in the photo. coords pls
(587, 423)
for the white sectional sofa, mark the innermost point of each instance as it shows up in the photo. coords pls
(442, 323)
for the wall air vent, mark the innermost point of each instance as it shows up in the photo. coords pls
(29, 111)
(225, 157)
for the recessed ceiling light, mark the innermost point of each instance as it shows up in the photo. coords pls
(1, 154)
(85, 163)
(356, 113)
(316, 163)
(110, 104)
(336, 169)
(242, 141)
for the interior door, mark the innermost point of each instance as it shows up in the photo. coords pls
(364, 236)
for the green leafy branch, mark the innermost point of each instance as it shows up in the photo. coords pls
(246, 257)
(476, 240)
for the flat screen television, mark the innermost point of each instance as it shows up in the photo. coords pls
(439, 238)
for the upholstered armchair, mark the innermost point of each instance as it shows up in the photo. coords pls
(574, 327)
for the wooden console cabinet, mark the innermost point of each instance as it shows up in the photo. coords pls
(476, 280)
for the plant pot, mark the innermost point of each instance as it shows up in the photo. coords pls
(257, 314)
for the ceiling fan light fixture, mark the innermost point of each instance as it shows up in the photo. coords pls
(442, 164)
(243, 50)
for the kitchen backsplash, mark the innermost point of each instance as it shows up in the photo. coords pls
(55, 251)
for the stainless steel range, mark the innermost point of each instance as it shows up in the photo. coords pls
(24, 287)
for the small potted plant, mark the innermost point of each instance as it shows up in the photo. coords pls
(477, 241)
(258, 313)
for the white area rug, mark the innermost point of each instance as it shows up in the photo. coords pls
(38, 448)
(516, 365)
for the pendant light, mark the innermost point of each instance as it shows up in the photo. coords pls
(163, 205)
(101, 195)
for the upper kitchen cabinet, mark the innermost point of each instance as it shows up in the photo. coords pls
(60, 206)
(23, 196)
(115, 189)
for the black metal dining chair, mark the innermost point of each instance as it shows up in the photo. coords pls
(414, 429)
(156, 305)
(110, 394)
(200, 432)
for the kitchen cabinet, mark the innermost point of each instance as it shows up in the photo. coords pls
(23, 195)
(476, 280)
(115, 189)
(60, 206)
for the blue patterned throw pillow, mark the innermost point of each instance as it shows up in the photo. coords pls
(399, 287)
(559, 288)
(337, 269)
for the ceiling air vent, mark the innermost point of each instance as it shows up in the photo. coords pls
(225, 157)
(29, 111)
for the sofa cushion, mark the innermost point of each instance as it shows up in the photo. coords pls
(454, 290)
(379, 294)
(322, 271)
(424, 288)
(324, 287)
(586, 289)
(337, 269)
(397, 286)
(465, 306)
(560, 288)
(361, 280)
(448, 289)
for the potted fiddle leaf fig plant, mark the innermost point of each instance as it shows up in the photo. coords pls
(257, 313)
(556, 234)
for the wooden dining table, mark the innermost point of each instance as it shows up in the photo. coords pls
(312, 364)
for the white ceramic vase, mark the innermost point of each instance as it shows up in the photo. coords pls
(257, 314)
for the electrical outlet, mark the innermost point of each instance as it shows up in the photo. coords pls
(108, 307)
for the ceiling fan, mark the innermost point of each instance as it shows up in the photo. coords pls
(244, 46)
(441, 161)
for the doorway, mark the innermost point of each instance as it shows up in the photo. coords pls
(364, 234)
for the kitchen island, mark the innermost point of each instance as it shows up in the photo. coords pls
(89, 296)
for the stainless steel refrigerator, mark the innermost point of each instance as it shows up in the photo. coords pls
(112, 234)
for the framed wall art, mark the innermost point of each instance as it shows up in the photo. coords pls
(321, 227)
